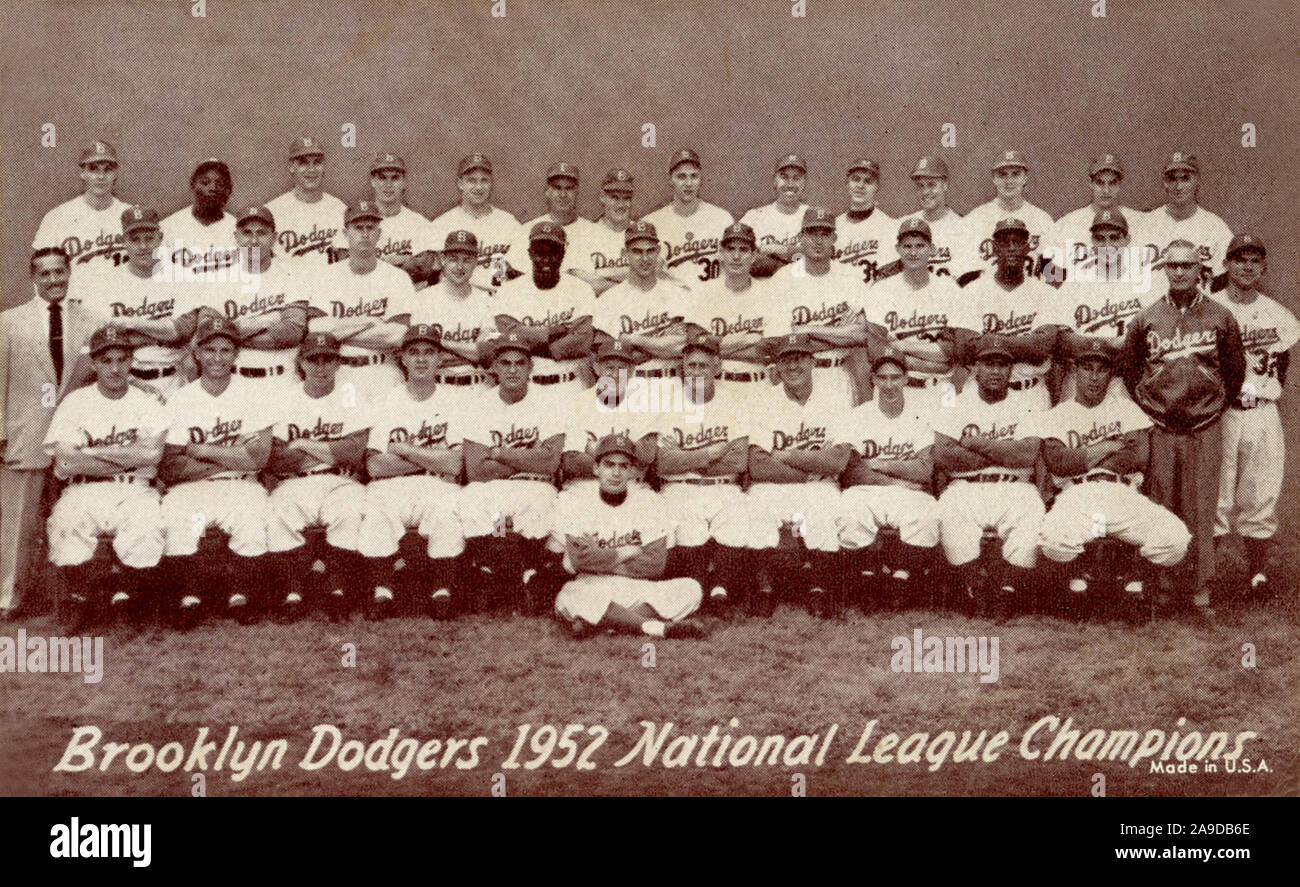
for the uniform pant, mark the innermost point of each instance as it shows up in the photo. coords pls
(331, 500)
(1254, 453)
(1087, 511)
(428, 504)
(865, 509)
(20, 529)
(528, 504)
(588, 596)
(1184, 477)
(707, 511)
(1012, 508)
(235, 505)
(129, 511)
(809, 509)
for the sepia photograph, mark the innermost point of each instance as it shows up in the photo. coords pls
(518, 398)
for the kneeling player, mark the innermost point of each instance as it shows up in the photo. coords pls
(106, 440)
(615, 536)
(1095, 447)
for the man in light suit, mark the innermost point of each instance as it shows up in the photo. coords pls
(40, 343)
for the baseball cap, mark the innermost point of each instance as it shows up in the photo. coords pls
(461, 242)
(1181, 160)
(211, 327)
(1106, 161)
(318, 343)
(508, 342)
(255, 212)
(1244, 242)
(1109, 218)
(210, 163)
(422, 332)
(685, 155)
(640, 230)
(1084, 347)
(1010, 158)
(615, 443)
(915, 225)
(97, 151)
(562, 170)
(791, 160)
(1010, 224)
(993, 344)
(362, 209)
(865, 165)
(889, 355)
(384, 160)
(134, 217)
(698, 339)
(614, 348)
(305, 146)
(617, 179)
(110, 336)
(547, 231)
(817, 217)
(795, 343)
(472, 162)
(739, 231)
(930, 167)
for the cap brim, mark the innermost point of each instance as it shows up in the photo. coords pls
(124, 346)
(744, 240)
(631, 240)
(137, 226)
(818, 227)
(1005, 355)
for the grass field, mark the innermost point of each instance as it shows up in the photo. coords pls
(485, 676)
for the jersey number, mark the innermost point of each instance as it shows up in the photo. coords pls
(710, 268)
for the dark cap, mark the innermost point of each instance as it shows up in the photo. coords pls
(617, 180)
(508, 342)
(1010, 158)
(915, 225)
(930, 167)
(134, 217)
(1109, 218)
(993, 345)
(318, 343)
(1010, 224)
(255, 212)
(794, 343)
(211, 327)
(473, 162)
(422, 332)
(698, 339)
(815, 217)
(685, 155)
(460, 242)
(385, 160)
(614, 443)
(739, 231)
(1104, 162)
(889, 355)
(97, 151)
(306, 146)
(640, 230)
(1085, 347)
(210, 163)
(1244, 243)
(110, 336)
(547, 231)
(865, 165)
(562, 171)
(615, 349)
(362, 209)
(794, 160)
(1181, 160)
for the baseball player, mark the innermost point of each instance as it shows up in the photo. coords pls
(1184, 365)
(318, 451)
(1182, 218)
(218, 440)
(864, 234)
(703, 453)
(106, 440)
(550, 310)
(795, 461)
(1096, 447)
(778, 224)
(86, 227)
(987, 445)
(200, 238)
(1012, 303)
(1010, 175)
(493, 228)
(601, 262)
(615, 537)
(955, 243)
(1254, 450)
(889, 481)
(617, 404)
(415, 459)
(307, 216)
(268, 300)
(561, 211)
(1071, 236)
(688, 227)
(919, 311)
(365, 304)
(514, 439)
(406, 238)
(463, 313)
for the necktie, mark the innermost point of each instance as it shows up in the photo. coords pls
(56, 339)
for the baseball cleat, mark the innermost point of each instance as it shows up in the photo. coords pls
(1078, 585)
(686, 628)
(1134, 587)
(440, 604)
(119, 599)
(188, 615)
(1258, 585)
(380, 605)
(901, 575)
(717, 594)
(579, 629)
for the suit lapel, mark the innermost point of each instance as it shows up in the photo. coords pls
(38, 338)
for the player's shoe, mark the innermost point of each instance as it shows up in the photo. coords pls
(1079, 585)
(289, 609)
(1258, 587)
(691, 629)
(239, 607)
(580, 628)
(188, 615)
(336, 606)
(381, 604)
(440, 604)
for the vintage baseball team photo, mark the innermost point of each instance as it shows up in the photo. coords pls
(530, 398)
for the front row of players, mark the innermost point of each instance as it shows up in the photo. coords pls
(650, 509)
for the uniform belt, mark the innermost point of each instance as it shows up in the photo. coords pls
(1258, 402)
(992, 478)
(260, 372)
(917, 383)
(441, 476)
(1026, 384)
(362, 361)
(112, 478)
(1105, 476)
(825, 362)
(329, 469)
(700, 481)
(745, 377)
(159, 373)
(554, 378)
(528, 476)
(465, 379)
(654, 374)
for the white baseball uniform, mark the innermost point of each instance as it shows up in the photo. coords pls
(991, 308)
(343, 296)
(836, 298)
(737, 319)
(982, 219)
(867, 244)
(589, 419)
(402, 234)
(1071, 236)
(1207, 231)
(525, 498)
(601, 249)
(906, 506)
(1099, 502)
(231, 500)
(1002, 498)
(123, 504)
(89, 236)
(918, 315)
(307, 231)
(956, 244)
(577, 234)
(263, 295)
(462, 320)
(197, 248)
(773, 226)
(422, 501)
(640, 519)
(690, 243)
(706, 506)
(1254, 447)
(496, 231)
(569, 300)
(626, 309)
(327, 496)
